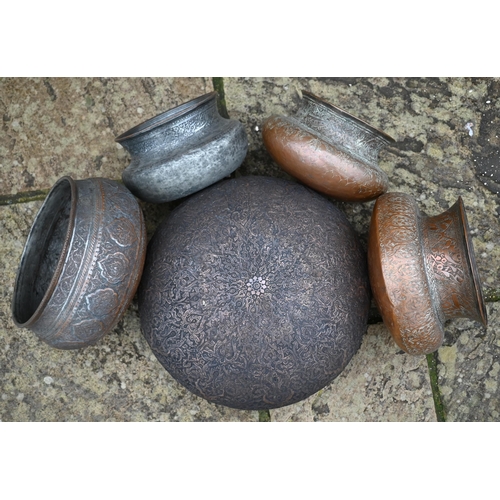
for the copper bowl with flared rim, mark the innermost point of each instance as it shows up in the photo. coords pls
(328, 149)
(422, 271)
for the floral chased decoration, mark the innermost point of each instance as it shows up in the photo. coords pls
(255, 293)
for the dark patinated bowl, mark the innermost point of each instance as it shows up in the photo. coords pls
(81, 263)
(255, 293)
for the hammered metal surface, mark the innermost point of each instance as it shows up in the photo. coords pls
(98, 276)
(182, 151)
(329, 150)
(255, 293)
(420, 271)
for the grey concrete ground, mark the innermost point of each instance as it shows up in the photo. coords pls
(447, 146)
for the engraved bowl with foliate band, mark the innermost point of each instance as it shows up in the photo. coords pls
(81, 263)
(422, 271)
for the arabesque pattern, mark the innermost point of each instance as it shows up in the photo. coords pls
(255, 293)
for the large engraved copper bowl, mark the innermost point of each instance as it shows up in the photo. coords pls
(255, 293)
(81, 263)
(328, 149)
(422, 271)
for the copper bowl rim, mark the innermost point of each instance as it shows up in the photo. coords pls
(471, 261)
(62, 257)
(166, 116)
(340, 111)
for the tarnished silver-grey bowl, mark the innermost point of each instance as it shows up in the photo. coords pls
(81, 264)
(182, 151)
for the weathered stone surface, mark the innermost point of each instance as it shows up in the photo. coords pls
(119, 379)
(469, 370)
(380, 384)
(447, 146)
(52, 127)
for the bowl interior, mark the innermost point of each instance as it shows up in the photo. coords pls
(44, 253)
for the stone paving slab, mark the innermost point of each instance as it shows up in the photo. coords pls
(380, 384)
(447, 146)
(52, 127)
(469, 370)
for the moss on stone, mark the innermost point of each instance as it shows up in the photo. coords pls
(218, 84)
(436, 393)
(23, 197)
(264, 416)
